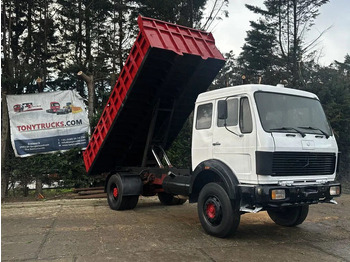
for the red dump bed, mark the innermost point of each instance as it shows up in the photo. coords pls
(168, 66)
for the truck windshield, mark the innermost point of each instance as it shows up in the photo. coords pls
(290, 113)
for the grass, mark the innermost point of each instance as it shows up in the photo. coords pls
(17, 195)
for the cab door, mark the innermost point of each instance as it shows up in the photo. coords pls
(202, 134)
(234, 138)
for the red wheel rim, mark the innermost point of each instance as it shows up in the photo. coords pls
(211, 210)
(115, 192)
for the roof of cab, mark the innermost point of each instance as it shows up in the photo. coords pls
(250, 89)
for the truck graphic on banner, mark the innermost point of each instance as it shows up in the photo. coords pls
(25, 107)
(47, 122)
(55, 108)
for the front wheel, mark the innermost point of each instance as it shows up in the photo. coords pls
(218, 215)
(289, 216)
(115, 197)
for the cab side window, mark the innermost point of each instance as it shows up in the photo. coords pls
(245, 116)
(232, 114)
(204, 116)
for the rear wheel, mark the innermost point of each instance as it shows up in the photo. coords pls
(218, 215)
(115, 197)
(289, 216)
(169, 199)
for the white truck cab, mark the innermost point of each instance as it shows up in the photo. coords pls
(269, 147)
(263, 121)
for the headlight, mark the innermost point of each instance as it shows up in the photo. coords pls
(334, 190)
(278, 194)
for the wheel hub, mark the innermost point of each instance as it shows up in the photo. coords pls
(212, 210)
(115, 192)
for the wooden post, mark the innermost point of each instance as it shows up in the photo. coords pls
(89, 80)
(5, 129)
(39, 82)
(38, 180)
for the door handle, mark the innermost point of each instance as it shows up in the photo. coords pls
(216, 144)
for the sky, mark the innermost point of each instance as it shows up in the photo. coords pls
(229, 33)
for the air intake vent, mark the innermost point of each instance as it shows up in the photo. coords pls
(302, 163)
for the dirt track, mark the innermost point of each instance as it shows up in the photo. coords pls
(87, 230)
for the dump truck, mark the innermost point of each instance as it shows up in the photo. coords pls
(254, 147)
(54, 107)
(65, 109)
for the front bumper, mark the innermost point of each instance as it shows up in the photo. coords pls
(260, 195)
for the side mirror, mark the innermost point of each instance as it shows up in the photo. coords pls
(222, 109)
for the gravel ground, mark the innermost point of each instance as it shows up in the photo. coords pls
(87, 230)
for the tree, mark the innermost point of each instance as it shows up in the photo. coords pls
(76, 25)
(23, 24)
(258, 56)
(291, 20)
(183, 12)
(217, 9)
(95, 34)
(229, 75)
(332, 86)
(46, 43)
(70, 168)
(180, 150)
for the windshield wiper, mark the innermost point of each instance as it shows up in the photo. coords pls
(314, 128)
(289, 128)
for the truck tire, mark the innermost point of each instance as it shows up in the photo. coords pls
(170, 200)
(115, 197)
(289, 216)
(218, 215)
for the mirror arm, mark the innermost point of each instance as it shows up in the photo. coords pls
(239, 135)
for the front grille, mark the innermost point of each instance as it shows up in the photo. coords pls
(302, 163)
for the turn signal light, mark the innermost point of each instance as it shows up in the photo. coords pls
(278, 194)
(334, 190)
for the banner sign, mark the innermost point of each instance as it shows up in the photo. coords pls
(47, 122)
